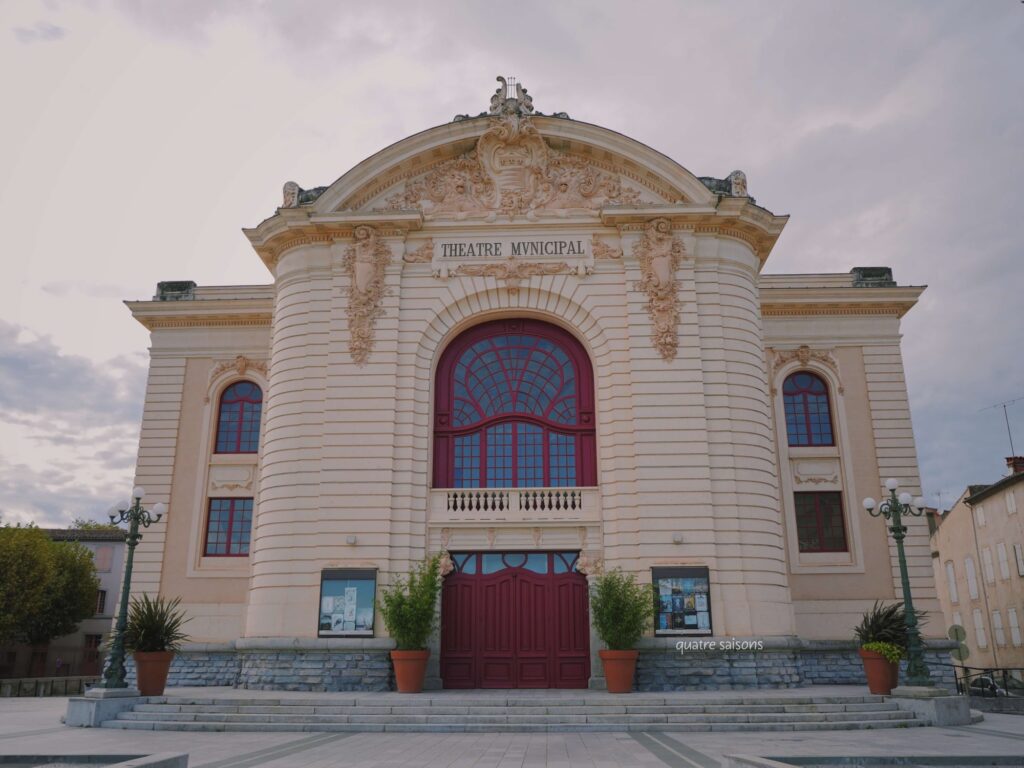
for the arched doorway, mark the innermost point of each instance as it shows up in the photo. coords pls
(514, 408)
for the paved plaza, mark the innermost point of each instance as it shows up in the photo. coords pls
(32, 726)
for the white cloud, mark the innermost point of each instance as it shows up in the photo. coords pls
(890, 132)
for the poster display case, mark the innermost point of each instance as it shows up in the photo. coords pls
(347, 599)
(682, 601)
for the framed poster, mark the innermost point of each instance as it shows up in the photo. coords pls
(683, 600)
(347, 600)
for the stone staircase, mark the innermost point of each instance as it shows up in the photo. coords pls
(477, 712)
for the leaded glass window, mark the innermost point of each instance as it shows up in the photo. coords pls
(514, 409)
(808, 418)
(238, 419)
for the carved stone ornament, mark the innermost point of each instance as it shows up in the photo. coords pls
(241, 364)
(511, 171)
(659, 254)
(513, 272)
(804, 355)
(422, 255)
(817, 480)
(589, 566)
(738, 184)
(445, 565)
(291, 195)
(604, 251)
(365, 262)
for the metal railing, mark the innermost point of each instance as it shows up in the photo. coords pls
(989, 682)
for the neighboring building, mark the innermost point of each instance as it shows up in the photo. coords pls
(80, 653)
(979, 569)
(543, 348)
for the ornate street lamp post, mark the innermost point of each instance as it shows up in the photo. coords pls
(135, 515)
(892, 509)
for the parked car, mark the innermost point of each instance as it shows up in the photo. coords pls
(985, 686)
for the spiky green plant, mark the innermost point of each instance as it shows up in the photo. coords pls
(154, 625)
(620, 609)
(886, 624)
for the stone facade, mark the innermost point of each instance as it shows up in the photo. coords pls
(655, 272)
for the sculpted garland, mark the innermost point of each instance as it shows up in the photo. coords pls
(365, 262)
(660, 254)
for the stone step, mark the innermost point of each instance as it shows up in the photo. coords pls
(904, 722)
(372, 709)
(511, 718)
(455, 700)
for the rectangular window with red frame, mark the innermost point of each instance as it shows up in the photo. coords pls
(819, 521)
(227, 528)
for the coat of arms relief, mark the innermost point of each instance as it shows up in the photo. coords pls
(512, 171)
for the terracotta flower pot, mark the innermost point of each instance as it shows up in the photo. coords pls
(410, 669)
(151, 671)
(883, 675)
(619, 668)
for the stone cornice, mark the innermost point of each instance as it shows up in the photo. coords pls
(295, 227)
(208, 313)
(734, 217)
(787, 302)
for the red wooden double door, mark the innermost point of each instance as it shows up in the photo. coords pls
(515, 620)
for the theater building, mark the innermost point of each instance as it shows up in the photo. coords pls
(542, 348)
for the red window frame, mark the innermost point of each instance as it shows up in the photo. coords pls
(233, 423)
(824, 503)
(800, 401)
(582, 431)
(229, 538)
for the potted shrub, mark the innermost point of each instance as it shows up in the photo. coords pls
(152, 636)
(882, 634)
(409, 608)
(620, 609)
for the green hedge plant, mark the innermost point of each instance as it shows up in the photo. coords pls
(409, 605)
(620, 609)
(891, 651)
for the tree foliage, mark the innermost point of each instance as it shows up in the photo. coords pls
(46, 587)
(82, 524)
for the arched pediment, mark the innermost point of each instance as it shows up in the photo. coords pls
(511, 164)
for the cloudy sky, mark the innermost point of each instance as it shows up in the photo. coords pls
(138, 138)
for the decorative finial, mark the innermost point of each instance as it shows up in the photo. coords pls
(511, 98)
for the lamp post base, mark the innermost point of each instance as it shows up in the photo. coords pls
(111, 693)
(918, 691)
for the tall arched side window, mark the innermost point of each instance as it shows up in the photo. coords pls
(808, 418)
(514, 408)
(238, 419)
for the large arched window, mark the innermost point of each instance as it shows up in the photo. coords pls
(238, 419)
(515, 408)
(808, 419)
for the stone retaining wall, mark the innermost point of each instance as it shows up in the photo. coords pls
(319, 670)
(365, 666)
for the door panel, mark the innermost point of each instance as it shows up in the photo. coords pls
(515, 627)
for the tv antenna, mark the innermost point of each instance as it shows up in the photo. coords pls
(1006, 416)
